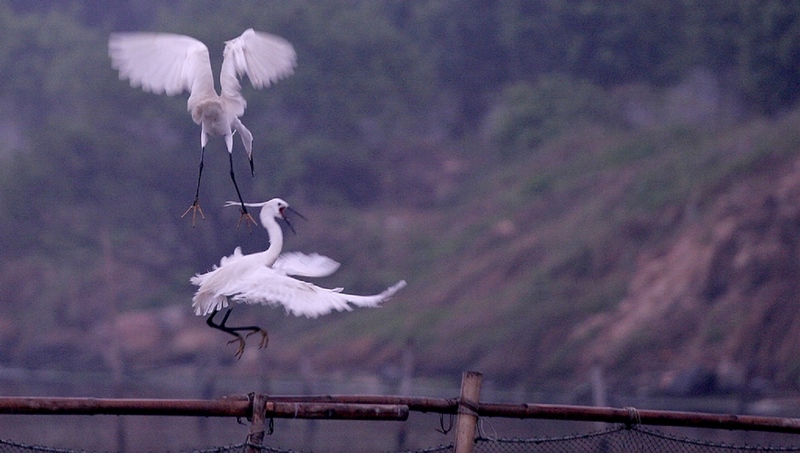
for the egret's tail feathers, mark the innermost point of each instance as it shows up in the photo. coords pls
(247, 137)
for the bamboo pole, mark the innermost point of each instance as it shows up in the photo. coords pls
(414, 403)
(124, 406)
(255, 436)
(633, 416)
(225, 407)
(571, 412)
(388, 407)
(337, 411)
(468, 404)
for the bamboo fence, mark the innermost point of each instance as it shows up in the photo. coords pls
(467, 406)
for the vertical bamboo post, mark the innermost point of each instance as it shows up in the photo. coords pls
(468, 402)
(255, 437)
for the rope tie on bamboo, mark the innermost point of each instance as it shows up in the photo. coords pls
(468, 407)
(441, 428)
(633, 416)
(250, 399)
(257, 411)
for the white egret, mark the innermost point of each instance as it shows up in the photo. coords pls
(264, 278)
(171, 64)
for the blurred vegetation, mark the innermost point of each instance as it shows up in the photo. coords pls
(395, 106)
(526, 116)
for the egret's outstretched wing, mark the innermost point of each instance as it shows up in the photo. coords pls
(302, 265)
(263, 57)
(267, 287)
(162, 62)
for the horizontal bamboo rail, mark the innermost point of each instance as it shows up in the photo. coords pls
(414, 403)
(632, 416)
(366, 407)
(237, 406)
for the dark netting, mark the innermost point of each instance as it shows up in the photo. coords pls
(441, 448)
(7, 446)
(617, 440)
(613, 440)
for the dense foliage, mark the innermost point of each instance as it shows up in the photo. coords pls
(386, 94)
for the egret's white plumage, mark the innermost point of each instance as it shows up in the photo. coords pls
(165, 63)
(265, 277)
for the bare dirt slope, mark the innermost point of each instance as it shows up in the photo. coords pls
(724, 295)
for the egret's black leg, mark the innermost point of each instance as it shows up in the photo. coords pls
(196, 204)
(235, 332)
(245, 215)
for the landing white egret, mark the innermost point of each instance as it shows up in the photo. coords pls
(264, 278)
(171, 64)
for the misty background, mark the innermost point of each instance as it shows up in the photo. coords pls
(565, 185)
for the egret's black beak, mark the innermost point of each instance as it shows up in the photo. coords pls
(287, 210)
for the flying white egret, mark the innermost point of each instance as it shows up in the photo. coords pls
(171, 64)
(264, 278)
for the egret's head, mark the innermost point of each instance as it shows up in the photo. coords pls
(273, 209)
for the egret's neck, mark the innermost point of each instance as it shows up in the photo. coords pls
(275, 241)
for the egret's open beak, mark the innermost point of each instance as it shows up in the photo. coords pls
(289, 209)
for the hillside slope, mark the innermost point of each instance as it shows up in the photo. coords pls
(648, 252)
(724, 295)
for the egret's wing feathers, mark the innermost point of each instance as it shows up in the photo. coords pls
(237, 253)
(302, 265)
(263, 57)
(216, 284)
(162, 62)
(265, 286)
(207, 299)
